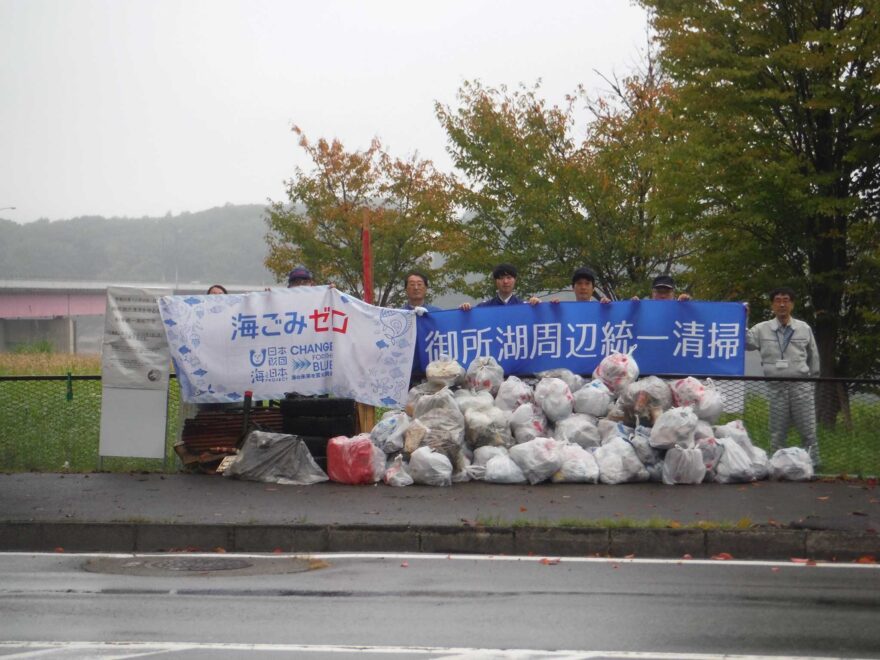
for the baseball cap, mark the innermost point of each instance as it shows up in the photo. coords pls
(583, 274)
(503, 269)
(300, 273)
(663, 282)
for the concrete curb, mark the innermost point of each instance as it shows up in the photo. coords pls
(753, 543)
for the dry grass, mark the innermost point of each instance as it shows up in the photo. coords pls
(49, 364)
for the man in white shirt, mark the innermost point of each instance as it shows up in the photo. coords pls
(788, 350)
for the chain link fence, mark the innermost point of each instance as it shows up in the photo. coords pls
(51, 423)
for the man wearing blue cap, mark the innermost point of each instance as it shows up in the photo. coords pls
(300, 276)
(663, 288)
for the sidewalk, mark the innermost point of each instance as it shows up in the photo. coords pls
(828, 520)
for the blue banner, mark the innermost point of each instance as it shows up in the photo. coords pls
(665, 337)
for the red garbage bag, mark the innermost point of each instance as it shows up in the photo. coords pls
(354, 460)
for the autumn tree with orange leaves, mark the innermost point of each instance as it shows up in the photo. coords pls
(406, 202)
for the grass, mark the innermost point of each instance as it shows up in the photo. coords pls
(40, 430)
(43, 431)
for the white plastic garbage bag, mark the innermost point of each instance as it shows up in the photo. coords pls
(578, 466)
(396, 474)
(444, 400)
(502, 469)
(418, 392)
(618, 462)
(482, 455)
(430, 468)
(538, 458)
(469, 399)
(674, 427)
(528, 422)
(610, 429)
(594, 399)
(646, 399)
(484, 373)
(683, 466)
(651, 458)
(735, 465)
(487, 426)
(737, 432)
(573, 380)
(791, 464)
(711, 451)
(617, 371)
(445, 371)
(389, 432)
(554, 397)
(705, 399)
(578, 429)
(512, 393)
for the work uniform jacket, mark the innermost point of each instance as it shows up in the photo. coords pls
(794, 357)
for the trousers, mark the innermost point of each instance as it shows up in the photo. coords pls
(793, 403)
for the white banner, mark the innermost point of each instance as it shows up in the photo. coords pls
(309, 340)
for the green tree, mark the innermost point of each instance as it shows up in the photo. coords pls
(538, 197)
(406, 203)
(778, 102)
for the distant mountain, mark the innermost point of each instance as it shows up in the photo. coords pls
(222, 245)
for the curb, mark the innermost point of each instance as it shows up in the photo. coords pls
(754, 543)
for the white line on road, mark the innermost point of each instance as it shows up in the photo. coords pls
(544, 559)
(134, 649)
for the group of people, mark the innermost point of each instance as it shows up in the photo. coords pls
(785, 344)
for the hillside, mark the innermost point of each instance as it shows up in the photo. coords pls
(224, 244)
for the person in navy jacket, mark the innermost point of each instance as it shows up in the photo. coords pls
(505, 283)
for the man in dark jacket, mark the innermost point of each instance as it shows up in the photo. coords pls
(505, 282)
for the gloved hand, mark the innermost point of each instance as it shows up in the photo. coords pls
(420, 311)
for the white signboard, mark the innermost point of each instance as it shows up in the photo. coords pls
(135, 351)
(135, 364)
(309, 340)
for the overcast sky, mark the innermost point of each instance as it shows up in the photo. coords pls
(143, 107)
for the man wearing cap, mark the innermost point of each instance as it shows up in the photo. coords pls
(505, 282)
(300, 276)
(663, 288)
(583, 284)
(416, 288)
(788, 350)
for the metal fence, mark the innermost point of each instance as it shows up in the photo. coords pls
(51, 423)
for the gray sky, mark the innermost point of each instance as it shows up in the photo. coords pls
(144, 107)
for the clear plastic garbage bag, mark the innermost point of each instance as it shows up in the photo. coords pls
(275, 458)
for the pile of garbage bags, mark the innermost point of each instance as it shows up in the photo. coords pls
(558, 427)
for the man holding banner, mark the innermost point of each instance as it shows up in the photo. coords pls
(505, 282)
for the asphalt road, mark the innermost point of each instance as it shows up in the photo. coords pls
(214, 605)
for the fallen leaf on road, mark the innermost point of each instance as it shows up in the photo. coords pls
(801, 560)
(722, 556)
(522, 509)
(549, 562)
(775, 569)
(270, 489)
(404, 564)
(277, 551)
(866, 559)
(59, 549)
(629, 557)
(219, 550)
(824, 498)
(686, 556)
